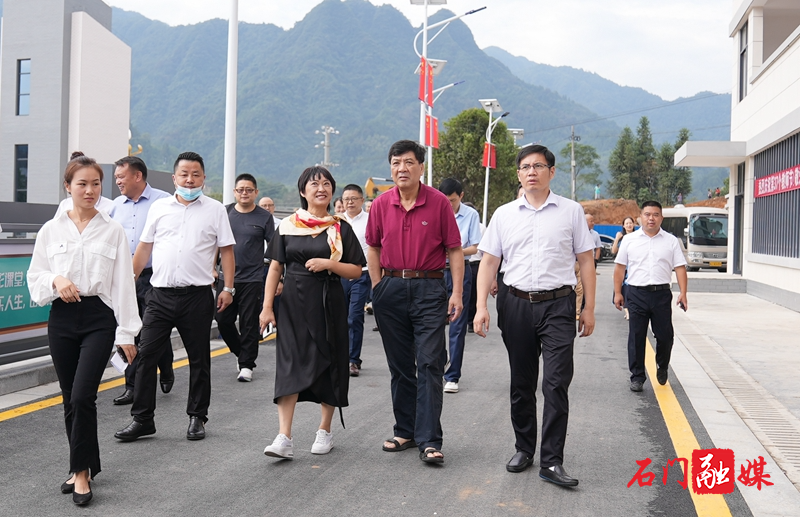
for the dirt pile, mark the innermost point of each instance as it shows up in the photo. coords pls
(716, 202)
(611, 211)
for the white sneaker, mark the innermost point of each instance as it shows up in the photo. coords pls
(281, 448)
(451, 387)
(245, 375)
(323, 443)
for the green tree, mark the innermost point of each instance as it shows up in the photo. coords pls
(672, 180)
(460, 156)
(587, 171)
(621, 166)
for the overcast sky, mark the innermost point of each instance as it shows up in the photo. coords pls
(673, 48)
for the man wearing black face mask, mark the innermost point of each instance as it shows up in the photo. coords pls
(182, 233)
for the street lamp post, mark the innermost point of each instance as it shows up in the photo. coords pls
(229, 166)
(326, 131)
(517, 133)
(491, 106)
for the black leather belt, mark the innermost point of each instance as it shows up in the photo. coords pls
(541, 296)
(412, 273)
(466, 263)
(183, 290)
(659, 287)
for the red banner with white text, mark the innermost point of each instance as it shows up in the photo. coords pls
(778, 183)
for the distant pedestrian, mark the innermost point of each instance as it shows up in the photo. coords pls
(680, 198)
(709, 193)
(628, 226)
(474, 263)
(338, 206)
(314, 250)
(650, 254)
(182, 233)
(269, 205)
(717, 192)
(252, 228)
(130, 210)
(468, 222)
(597, 191)
(82, 264)
(411, 230)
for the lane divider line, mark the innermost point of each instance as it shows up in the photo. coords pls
(683, 438)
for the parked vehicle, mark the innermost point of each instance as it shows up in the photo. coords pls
(703, 233)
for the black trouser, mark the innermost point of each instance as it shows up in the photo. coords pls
(143, 288)
(530, 330)
(473, 295)
(411, 315)
(243, 343)
(81, 336)
(190, 310)
(654, 307)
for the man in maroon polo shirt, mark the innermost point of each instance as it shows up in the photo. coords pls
(410, 232)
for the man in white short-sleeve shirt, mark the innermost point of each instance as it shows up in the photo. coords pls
(650, 254)
(540, 236)
(182, 233)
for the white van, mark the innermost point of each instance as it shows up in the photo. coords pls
(703, 232)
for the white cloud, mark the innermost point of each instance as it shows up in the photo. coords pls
(672, 48)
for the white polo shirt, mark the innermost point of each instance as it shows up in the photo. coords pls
(185, 240)
(650, 260)
(359, 224)
(538, 245)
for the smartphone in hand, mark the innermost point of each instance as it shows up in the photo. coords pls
(682, 306)
(122, 355)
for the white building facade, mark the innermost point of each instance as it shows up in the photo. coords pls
(764, 151)
(64, 87)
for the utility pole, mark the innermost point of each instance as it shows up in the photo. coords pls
(572, 141)
(327, 131)
(229, 161)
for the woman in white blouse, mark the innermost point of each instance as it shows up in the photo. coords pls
(82, 264)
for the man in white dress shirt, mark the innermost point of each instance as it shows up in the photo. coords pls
(540, 236)
(182, 233)
(650, 254)
(356, 291)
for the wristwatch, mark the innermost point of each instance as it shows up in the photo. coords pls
(231, 290)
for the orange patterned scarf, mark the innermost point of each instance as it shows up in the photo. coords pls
(303, 223)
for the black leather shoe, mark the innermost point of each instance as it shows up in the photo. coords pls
(197, 430)
(519, 462)
(136, 430)
(124, 399)
(637, 386)
(167, 380)
(82, 499)
(557, 476)
(67, 488)
(662, 374)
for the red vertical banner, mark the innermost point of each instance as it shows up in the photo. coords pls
(435, 133)
(423, 79)
(493, 157)
(489, 156)
(427, 130)
(486, 153)
(430, 86)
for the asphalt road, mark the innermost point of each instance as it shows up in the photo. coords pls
(227, 473)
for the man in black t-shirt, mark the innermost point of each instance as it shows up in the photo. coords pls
(252, 226)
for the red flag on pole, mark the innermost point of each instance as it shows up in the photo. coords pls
(486, 152)
(489, 156)
(430, 86)
(427, 130)
(493, 157)
(435, 133)
(423, 79)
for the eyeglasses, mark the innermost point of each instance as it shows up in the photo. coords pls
(243, 190)
(351, 199)
(538, 167)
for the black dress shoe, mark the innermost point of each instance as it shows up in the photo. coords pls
(82, 499)
(196, 430)
(636, 386)
(519, 462)
(167, 380)
(661, 375)
(558, 476)
(125, 398)
(67, 488)
(136, 430)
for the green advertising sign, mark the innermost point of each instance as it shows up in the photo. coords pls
(16, 307)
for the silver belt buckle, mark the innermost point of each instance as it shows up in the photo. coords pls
(403, 273)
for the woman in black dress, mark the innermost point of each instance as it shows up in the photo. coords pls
(313, 249)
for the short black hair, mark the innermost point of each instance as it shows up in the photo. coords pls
(536, 149)
(450, 186)
(246, 177)
(652, 203)
(353, 186)
(189, 156)
(309, 174)
(401, 147)
(133, 162)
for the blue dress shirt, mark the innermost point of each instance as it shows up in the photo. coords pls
(133, 214)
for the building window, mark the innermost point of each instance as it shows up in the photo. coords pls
(23, 86)
(21, 173)
(743, 62)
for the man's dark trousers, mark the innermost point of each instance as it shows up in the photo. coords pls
(645, 307)
(190, 310)
(473, 296)
(143, 288)
(355, 295)
(243, 343)
(411, 315)
(530, 330)
(458, 328)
